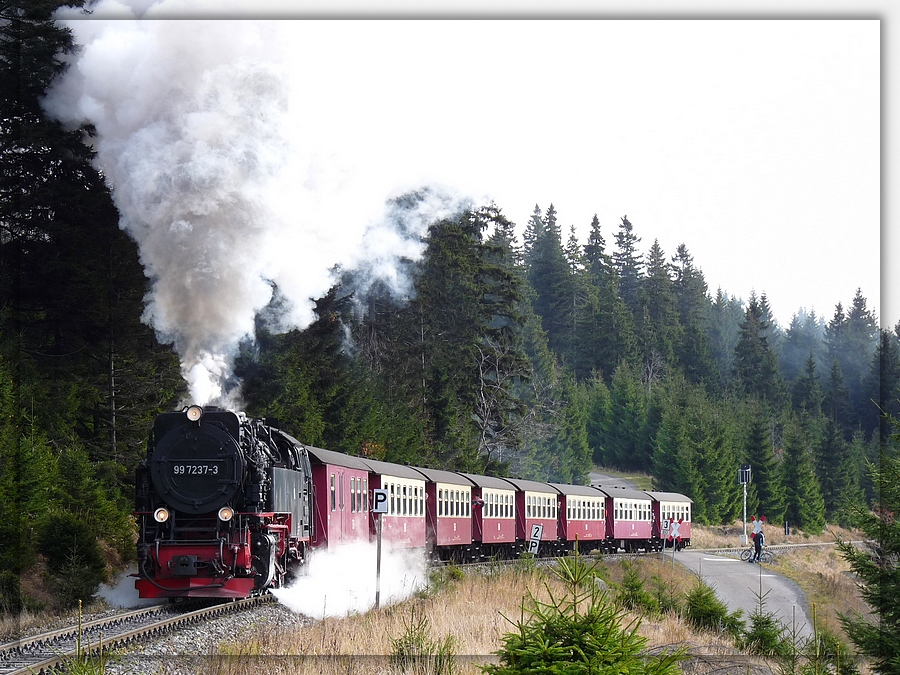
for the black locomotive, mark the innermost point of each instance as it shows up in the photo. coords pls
(223, 503)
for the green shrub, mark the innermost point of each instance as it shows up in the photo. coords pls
(703, 610)
(667, 599)
(766, 636)
(631, 593)
(581, 632)
(73, 557)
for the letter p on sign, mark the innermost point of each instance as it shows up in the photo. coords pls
(379, 501)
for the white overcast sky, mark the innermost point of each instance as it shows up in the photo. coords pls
(756, 139)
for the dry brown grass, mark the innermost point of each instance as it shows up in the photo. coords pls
(475, 612)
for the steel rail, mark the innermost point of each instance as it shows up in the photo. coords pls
(39, 654)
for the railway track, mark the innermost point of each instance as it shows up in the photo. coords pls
(775, 549)
(39, 654)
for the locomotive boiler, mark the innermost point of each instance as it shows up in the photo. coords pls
(223, 504)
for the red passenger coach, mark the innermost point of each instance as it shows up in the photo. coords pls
(536, 504)
(403, 526)
(448, 514)
(493, 516)
(628, 518)
(676, 508)
(341, 498)
(582, 516)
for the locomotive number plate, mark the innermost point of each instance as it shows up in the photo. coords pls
(195, 469)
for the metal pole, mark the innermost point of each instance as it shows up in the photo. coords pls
(744, 540)
(378, 562)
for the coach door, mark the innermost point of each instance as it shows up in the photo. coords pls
(339, 522)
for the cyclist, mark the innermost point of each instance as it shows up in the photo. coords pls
(758, 540)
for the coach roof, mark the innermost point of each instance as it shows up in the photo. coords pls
(441, 476)
(531, 485)
(618, 492)
(488, 482)
(336, 458)
(389, 469)
(579, 490)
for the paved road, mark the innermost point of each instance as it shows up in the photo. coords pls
(606, 479)
(738, 584)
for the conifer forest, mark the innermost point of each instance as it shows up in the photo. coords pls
(518, 350)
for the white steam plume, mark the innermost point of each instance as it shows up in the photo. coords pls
(343, 582)
(199, 133)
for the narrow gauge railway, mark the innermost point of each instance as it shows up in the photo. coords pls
(230, 506)
(39, 653)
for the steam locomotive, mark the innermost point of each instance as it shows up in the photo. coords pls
(223, 506)
(230, 506)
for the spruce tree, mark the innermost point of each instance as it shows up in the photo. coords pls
(755, 367)
(694, 352)
(805, 507)
(876, 565)
(661, 331)
(628, 264)
(551, 280)
(806, 393)
(766, 496)
(726, 315)
(598, 261)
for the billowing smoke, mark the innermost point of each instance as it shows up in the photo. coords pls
(199, 135)
(343, 582)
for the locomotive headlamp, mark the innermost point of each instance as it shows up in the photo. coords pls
(194, 413)
(226, 514)
(161, 515)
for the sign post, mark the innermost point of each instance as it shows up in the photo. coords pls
(379, 508)
(744, 479)
(537, 531)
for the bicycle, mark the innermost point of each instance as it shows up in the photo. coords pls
(765, 555)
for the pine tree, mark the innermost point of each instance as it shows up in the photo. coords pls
(755, 364)
(550, 278)
(881, 388)
(806, 393)
(598, 261)
(626, 440)
(766, 492)
(694, 352)
(726, 316)
(836, 401)
(800, 341)
(661, 330)
(607, 334)
(628, 265)
(876, 565)
(851, 341)
(805, 506)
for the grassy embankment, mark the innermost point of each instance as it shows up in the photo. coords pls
(475, 611)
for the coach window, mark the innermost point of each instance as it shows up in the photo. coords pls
(333, 494)
(352, 495)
